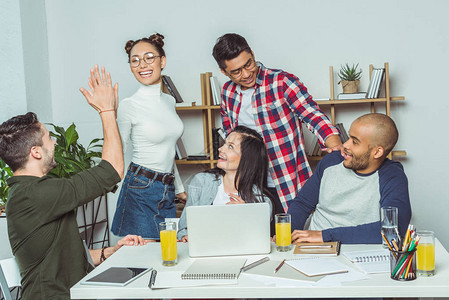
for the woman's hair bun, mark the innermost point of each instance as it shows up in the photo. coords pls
(157, 38)
(129, 45)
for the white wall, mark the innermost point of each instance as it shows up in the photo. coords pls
(302, 37)
(12, 81)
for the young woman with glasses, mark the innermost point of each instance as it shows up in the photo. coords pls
(148, 118)
(240, 176)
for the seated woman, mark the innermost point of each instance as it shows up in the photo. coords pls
(240, 175)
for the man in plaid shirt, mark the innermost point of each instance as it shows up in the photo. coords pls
(275, 104)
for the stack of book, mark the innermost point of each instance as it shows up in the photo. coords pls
(218, 139)
(210, 89)
(181, 152)
(375, 82)
(343, 134)
(216, 90)
(314, 148)
(351, 96)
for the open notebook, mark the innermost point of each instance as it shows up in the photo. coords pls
(371, 261)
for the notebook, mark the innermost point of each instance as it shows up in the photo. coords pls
(370, 261)
(172, 279)
(321, 249)
(286, 272)
(318, 266)
(214, 268)
(218, 230)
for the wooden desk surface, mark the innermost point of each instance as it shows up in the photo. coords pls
(379, 285)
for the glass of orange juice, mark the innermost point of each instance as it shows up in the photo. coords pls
(283, 232)
(425, 255)
(169, 248)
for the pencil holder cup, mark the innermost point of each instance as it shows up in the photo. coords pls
(403, 265)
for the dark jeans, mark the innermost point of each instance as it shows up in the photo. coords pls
(143, 203)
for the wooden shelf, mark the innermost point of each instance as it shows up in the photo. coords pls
(208, 111)
(332, 102)
(198, 107)
(194, 162)
(356, 101)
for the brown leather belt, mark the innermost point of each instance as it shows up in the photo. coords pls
(164, 178)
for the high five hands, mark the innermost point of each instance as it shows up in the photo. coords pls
(102, 96)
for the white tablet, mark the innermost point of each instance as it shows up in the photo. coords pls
(119, 276)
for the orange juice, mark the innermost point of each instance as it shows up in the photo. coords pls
(426, 257)
(283, 234)
(168, 246)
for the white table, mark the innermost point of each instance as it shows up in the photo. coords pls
(379, 285)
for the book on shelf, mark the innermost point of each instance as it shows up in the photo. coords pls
(217, 141)
(379, 83)
(370, 261)
(222, 134)
(343, 133)
(181, 152)
(197, 157)
(312, 144)
(350, 96)
(315, 147)
(171, 88)
(216, 90)
(184, 104)
(375, 83)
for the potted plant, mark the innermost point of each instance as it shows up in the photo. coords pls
(350, 78)
(5, 173)
(71, 156)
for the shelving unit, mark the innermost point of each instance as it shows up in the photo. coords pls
(387, 100)
(208, 111)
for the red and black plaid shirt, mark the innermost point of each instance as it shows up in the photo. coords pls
(280, 104)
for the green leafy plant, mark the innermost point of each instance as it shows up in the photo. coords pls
(70, 155)
(5, 173)
(350, 73)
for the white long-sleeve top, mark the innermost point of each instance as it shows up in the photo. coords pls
(148, 118)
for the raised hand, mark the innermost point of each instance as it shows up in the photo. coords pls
(102, 95)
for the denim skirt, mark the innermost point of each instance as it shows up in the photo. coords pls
(143, 203)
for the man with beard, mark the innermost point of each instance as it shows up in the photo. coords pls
(40, 209)
(347, 189)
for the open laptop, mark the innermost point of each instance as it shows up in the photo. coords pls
(237, 229)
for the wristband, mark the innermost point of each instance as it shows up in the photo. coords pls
(102, 111)
(102, 257)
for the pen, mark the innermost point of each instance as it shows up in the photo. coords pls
(255, 264)
(152, 279)
(314, 246)
(279, 267)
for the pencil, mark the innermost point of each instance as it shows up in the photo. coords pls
(279, 267)
(407, 236)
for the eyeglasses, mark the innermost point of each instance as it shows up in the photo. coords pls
(148, 58)
(249, 66)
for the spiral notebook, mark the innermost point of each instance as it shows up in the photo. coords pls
(214, 268)
(370, 261)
